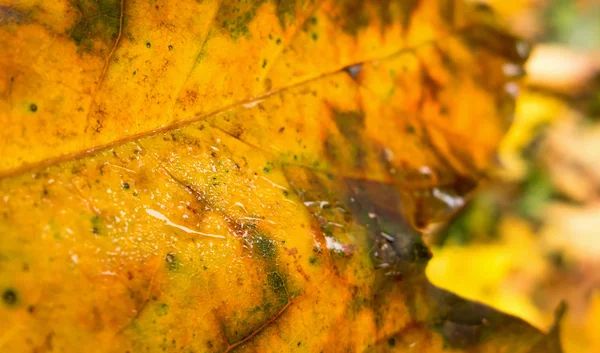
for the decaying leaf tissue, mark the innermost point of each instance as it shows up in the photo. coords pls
(244, 176)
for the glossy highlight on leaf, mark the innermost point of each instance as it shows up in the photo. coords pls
(248, 176)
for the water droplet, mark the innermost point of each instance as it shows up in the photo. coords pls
(388, 154)
(425, 170)
(523, 49)
(512, 88)
(252, 104)
(354, 70)
(512, 70)
(451, 200)
(274, 184)
(162, 217)
(434, 205)
(333, 244)
(387, 237)
(240, 205)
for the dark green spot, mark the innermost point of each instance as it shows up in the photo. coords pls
(162, 309)
(277, 284)
(358, 303)
(483, 7)
(99, 20)
(148, 45)
(126, 186)
(10, 297)
(338, 253)
(350, 123)
(264, 246)
(354, 16)
(171, 262)
(447, 11)
(96, 224)
(234, 17)
(33, 107)
(286, 11)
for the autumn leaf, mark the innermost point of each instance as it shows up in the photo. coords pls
(531, 236)
(211, 176)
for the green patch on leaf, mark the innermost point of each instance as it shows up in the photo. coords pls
(100, 21)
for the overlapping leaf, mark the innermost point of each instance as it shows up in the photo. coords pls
(244, 175)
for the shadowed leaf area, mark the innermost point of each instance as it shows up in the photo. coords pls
(244, 176)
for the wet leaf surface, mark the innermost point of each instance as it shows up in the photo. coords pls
(244, 176)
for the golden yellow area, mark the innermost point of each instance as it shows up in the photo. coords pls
(534, 110)
(84, 74)
(479, 269)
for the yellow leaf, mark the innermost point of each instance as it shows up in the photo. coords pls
(243, 176)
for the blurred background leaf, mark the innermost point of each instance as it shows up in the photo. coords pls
(531, 237)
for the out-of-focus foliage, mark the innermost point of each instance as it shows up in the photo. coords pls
(534, 239)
